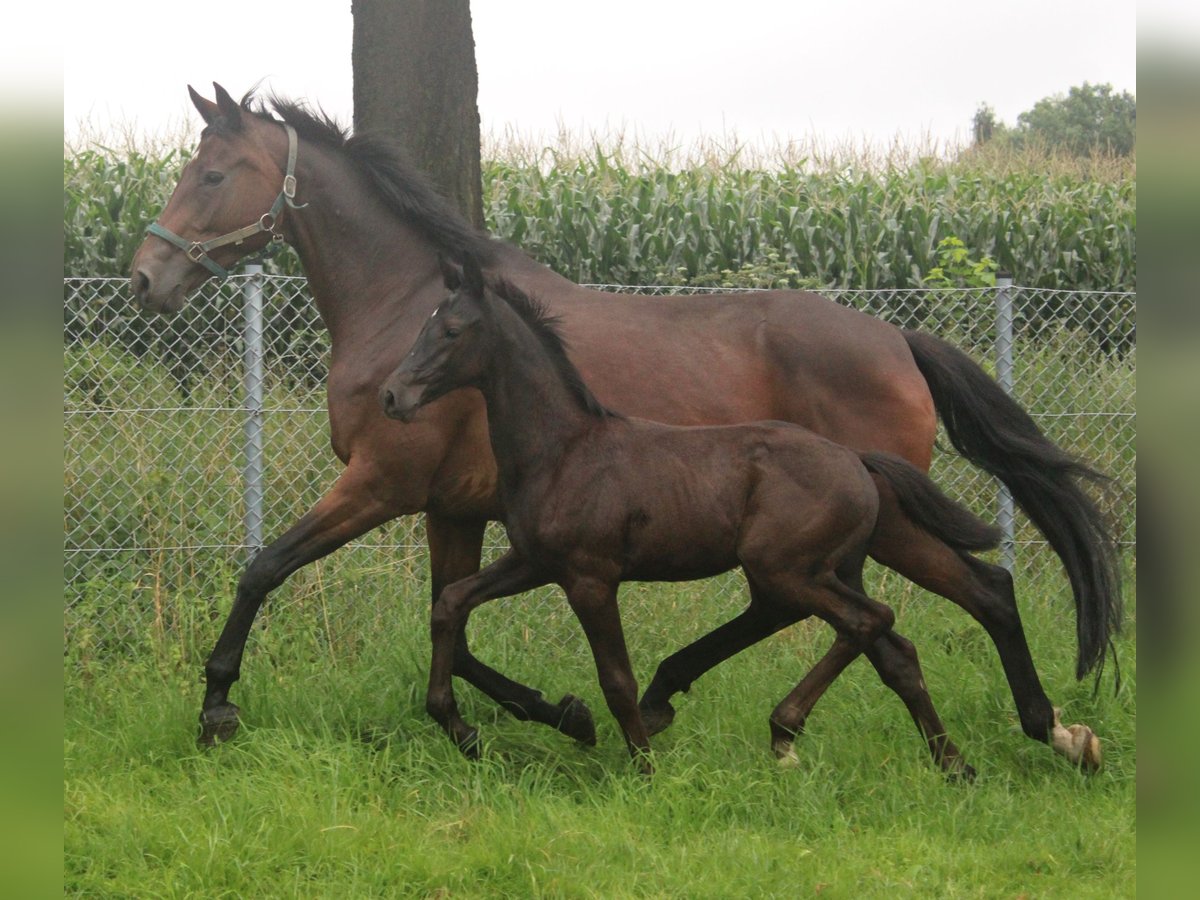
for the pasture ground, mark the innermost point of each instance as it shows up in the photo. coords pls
(338, 785)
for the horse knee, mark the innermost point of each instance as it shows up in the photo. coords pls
(448, 610)
(875, 622)
(261, 576)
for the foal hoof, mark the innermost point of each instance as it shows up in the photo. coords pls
(575, 720)
(217, 725)
(960, 773)
(657, 719)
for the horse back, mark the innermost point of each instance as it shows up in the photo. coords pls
(721, 359)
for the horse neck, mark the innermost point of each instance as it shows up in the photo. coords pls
(532, 413)
(364, 266)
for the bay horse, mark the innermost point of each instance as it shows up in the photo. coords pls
(369, 231)
(593, 499)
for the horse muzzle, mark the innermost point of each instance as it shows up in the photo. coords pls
(401, 404)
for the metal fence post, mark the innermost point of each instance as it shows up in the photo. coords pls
(252, 385)
(1004, 375)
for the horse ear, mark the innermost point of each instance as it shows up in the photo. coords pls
(451, 274)
(230, 109)
(207, 109)
(472, 275)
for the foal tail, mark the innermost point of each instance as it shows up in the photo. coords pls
(992, 431)
(928, 508)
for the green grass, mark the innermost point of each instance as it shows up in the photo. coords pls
(338, 785)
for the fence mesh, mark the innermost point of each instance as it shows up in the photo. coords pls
(153, 485)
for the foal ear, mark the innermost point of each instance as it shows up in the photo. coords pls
(230, 109)
(451, 274)
(207, 109)
(472, 275)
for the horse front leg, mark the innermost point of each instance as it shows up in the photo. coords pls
(454, 553)
(349, 510)
(508, 575)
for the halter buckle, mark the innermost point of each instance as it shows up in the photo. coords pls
(289, 186)
(196, 252)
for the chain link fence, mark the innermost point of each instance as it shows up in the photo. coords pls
(167, 419)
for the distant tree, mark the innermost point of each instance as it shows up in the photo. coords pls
(415, 79)
(983, 126)
(1089, 118)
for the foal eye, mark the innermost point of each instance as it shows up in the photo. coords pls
(213, 177)
(452, 331)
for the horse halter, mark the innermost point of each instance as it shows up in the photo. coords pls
(197, 251)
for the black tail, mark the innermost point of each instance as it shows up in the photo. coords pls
(992, 431)
(929, 509)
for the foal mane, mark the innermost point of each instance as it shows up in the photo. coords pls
(407, 192)
(546, 328)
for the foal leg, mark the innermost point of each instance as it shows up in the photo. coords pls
(595, 605)
(508, 575)
(677, 672)
(986, 592)
(895, 659)
(454, 551)
(349, 510)
(859, 621)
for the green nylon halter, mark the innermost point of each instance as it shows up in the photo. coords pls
(197, 251)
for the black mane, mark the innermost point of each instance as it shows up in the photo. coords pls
(545, 326)
(407, 192)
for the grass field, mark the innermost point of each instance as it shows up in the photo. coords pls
(339, 786)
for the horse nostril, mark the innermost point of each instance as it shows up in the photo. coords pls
(388, 399)
(141, 283)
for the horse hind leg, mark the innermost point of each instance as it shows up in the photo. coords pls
(985, 591)
(454, 553)
(858, 621)
(895, 659)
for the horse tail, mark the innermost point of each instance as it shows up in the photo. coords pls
(928, 508)
(992, 431)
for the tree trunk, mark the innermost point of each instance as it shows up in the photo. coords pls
(415, 80)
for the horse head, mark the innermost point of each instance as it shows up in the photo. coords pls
(226, 205)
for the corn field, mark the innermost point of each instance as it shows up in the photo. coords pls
(612, 217)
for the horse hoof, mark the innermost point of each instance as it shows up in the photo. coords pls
(217, 725)
(1085, 748)
(961, 773)
(785, 754)
(657, 719)
(468, 743)
(575, 720)
(1078, 743)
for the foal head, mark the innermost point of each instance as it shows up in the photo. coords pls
(449, 353)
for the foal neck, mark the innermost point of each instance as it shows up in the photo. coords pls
(536, 401)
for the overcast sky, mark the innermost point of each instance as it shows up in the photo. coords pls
(765, 70)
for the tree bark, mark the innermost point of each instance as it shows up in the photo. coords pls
(415, 80)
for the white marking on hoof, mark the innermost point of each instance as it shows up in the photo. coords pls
(785, 754)
(1078, 743)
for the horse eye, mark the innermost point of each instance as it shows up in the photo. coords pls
(213, 177)
(452, 331)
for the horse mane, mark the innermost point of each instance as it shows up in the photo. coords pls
(546, 328)
(407, 192)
